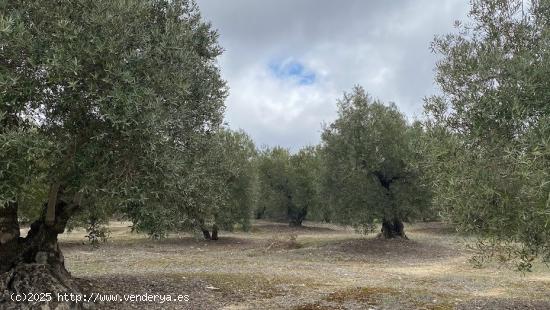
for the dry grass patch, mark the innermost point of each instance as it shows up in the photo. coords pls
(366, 294)
(256, 286)
(282, 242)
(380, 298)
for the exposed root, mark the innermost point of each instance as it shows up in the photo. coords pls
(41, 286)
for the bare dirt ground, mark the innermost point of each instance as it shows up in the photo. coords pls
(315, 267)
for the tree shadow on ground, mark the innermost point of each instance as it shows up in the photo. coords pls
(433, 228)
(307, 227)
(378, 250)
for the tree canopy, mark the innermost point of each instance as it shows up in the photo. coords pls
(288, 184)
(370, 169)
(102, 102)
(222, 192)
(490, 128)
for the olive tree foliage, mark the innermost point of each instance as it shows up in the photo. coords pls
(222, 194)
(288, 184)
(103, 102)
(490, 128)
(304, 182)
(235, 154)
(371, 169)
(273, 183)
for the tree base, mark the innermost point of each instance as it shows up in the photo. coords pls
(206, 233)
(38, 280)
(32, 269)
(392, 229)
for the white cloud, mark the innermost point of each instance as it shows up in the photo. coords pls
(380, 45)
(279, 111)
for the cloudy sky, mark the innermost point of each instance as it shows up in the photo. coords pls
(288, 61)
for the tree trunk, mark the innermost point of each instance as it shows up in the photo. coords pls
(214, 232)
(296, 216)
(393, 229)
(259, 214)
(206, 233)
(9, 234)
(295, 223)
(34, 264)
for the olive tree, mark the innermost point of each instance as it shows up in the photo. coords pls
(304, 182)
(222, 195)
(289, 184)
(490, 127)
(234, 167)
(274, 190)
(226, 191)
(101, 102)
(371, 172)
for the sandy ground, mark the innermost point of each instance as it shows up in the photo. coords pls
(325, 267)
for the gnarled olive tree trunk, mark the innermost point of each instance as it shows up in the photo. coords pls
(34, 264)
(206, 232)
(214, 232)
(295, 222)
(295, 215)
(393, 228)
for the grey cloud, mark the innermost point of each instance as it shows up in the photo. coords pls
(381, 45)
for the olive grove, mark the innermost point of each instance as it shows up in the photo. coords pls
(114, 108)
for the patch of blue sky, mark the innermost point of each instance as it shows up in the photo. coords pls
(292, 70)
